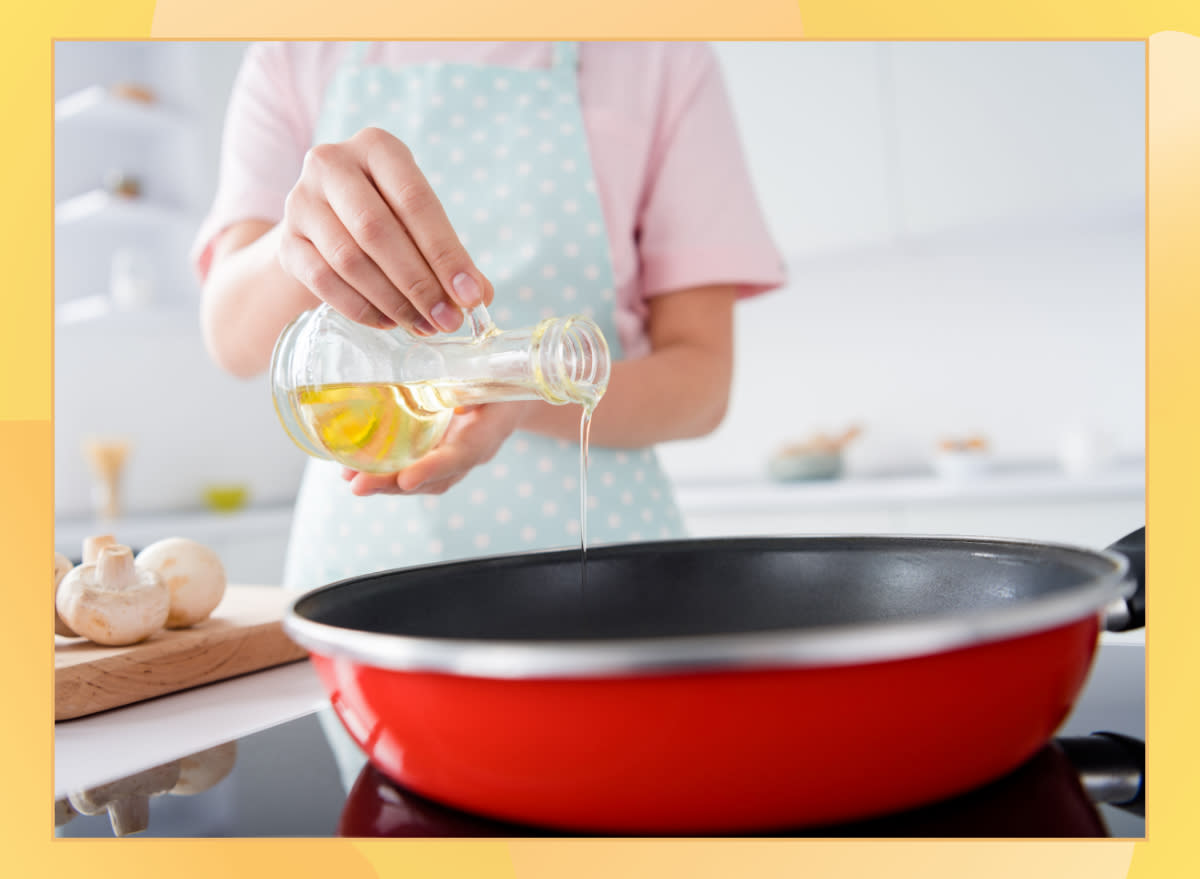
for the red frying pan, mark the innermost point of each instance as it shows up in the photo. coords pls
(716, 686)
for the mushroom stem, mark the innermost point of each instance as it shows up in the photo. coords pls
(129, 814)
(93, 545)
(127, 800)
(114, 567)
(200, 771)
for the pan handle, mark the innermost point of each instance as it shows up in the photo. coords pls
(1130, 612)
(1111, 767)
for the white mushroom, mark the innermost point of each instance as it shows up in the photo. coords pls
(203, 770)
(62, 566)
(112, 602)
(193, 574)
(127, 800)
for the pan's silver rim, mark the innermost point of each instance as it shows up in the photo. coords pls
(808, 648)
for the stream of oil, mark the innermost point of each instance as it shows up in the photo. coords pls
(585, 429)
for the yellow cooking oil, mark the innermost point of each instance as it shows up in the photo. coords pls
(382, 427)
(374, 427)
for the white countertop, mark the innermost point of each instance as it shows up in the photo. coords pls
(1013, 484)
(113, 744)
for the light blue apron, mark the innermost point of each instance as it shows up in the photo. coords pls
(506, 151)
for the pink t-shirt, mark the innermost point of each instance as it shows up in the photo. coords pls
(677, 199)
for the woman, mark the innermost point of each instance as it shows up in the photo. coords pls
(404, 182)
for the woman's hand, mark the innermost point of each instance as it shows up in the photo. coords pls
(364, 231)
(475, 434)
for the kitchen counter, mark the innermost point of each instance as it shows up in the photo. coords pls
(94, 749)
(1005, 484)
(113, 744)
(1028, 502)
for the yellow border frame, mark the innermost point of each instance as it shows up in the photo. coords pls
(26, 406)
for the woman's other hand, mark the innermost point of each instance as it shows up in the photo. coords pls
(475, 434)
(365, 232)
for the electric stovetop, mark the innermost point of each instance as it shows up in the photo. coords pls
(284, 782)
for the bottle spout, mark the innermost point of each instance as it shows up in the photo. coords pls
(574, 362)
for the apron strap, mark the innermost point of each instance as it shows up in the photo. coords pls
(566, 56)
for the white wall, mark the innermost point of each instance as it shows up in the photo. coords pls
(963, 224)
(964, 228)
(146, 376)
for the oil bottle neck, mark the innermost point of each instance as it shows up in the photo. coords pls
(570, 361)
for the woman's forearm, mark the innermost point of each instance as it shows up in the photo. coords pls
(679, 391)
(248, 299)
(663, 397)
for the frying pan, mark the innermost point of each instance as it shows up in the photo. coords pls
(716, 686)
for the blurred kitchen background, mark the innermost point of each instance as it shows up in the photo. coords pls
(963, 225)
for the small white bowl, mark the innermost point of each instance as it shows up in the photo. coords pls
(961, 465)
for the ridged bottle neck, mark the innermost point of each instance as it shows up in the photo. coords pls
(570, 361)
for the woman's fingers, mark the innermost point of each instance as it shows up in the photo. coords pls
(473, 439)
(340, 250)
(366, 484)
(391, 166)
(401, 284)
(364, 230)
(304, 261)
(363, 484)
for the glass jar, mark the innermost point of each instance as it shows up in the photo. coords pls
(376, 400)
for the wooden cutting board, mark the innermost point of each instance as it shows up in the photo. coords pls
(244, 634)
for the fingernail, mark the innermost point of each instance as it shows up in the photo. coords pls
(447, 317)
(466, 290)
(423, 327)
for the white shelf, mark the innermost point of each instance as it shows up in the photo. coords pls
(143, 529)
(91, 312)
(101, 208)
(97, 105)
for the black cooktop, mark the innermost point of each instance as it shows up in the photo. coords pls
(284, 782)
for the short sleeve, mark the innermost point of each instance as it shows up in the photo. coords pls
(700, 222)
(263, 144)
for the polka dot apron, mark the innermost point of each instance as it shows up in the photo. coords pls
(506, 151)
